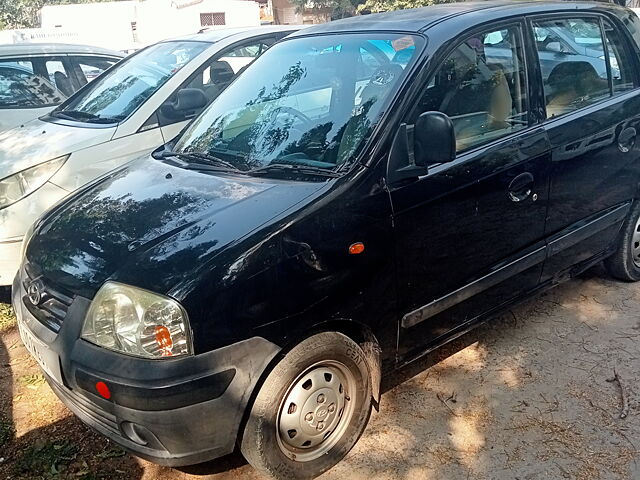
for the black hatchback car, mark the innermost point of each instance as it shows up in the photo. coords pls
(366, 191)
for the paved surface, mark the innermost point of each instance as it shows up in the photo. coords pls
(524, 397)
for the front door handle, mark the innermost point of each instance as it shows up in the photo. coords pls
(521, 187)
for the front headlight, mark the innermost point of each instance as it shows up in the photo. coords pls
(137, 322)
(21, 184)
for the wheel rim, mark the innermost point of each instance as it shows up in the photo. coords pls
(635, 244)
(316, 411)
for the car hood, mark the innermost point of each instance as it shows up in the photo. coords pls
(37, 141)
(153, 225)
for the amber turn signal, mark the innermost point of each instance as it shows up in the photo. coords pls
(356, 248)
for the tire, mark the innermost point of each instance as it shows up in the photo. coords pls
(324, 379)
(624, 264)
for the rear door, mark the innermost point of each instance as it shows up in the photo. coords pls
(470, 234)
(592, 109)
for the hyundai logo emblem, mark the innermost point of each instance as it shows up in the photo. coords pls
(34, 293)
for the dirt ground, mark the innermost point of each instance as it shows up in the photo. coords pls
(526, 396)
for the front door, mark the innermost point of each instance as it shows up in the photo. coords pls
(470, 234)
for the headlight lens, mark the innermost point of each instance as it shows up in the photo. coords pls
(21, 184)
(137, 322)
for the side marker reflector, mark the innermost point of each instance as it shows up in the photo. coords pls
(356, 248)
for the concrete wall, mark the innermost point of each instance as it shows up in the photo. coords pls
(130, 25)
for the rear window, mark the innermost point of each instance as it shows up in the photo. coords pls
(21, 87)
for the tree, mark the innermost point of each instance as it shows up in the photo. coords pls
(374, 6)
(24, 13)
(346, 8)
(339, 8)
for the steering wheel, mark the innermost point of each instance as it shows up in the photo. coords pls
(306, 121)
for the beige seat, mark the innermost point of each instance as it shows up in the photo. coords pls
(573, 84)
(493, 97)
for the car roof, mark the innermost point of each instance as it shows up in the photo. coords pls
(218, 34)
(419, 19)
(22, 49)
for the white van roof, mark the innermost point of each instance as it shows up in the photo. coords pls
(26, 49)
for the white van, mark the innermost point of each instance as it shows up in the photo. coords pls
(140, 104)
(35, 77)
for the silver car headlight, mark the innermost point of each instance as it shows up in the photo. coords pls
(137, 322)
(21, 184)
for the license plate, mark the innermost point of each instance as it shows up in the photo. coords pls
(46, 358)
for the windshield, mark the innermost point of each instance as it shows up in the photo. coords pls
(307, 102)
(115, 95)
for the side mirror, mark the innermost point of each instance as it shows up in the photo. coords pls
(555, 47)
(434, 139)
(187, 100)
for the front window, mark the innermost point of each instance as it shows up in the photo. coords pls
(308, 102)
(114, 96)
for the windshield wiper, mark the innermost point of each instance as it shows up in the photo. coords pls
(287, 167)
(73, 114)
(203, 159)
(77, 115)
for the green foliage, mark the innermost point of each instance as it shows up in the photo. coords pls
(7, 318)
(339, 8)
(345, 8)
(375, 6)
(6, 431)
(24, 13)
(46, 460)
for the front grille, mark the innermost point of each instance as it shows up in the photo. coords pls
(54, 303)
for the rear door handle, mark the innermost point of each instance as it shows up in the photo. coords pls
(521, 187)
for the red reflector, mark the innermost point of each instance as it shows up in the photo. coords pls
(103, 390)
(356, 248)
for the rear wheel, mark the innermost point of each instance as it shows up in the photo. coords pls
(311, 409)
(625, 262)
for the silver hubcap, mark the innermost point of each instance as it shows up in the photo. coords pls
(635, 244)
(316, 411)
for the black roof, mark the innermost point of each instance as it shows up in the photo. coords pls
(419, 19)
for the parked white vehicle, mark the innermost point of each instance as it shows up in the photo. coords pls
(34, 78)
(140, 104)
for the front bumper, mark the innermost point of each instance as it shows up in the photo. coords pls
(171, 412)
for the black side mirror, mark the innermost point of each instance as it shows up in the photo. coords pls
(187, 100)
(434, 139)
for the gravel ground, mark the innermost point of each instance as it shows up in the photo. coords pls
(526, 396)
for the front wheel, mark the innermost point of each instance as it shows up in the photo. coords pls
(311, 409)
(624, 264)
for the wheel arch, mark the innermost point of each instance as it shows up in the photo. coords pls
(358, 332)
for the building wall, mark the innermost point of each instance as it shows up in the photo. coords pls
(128, 25)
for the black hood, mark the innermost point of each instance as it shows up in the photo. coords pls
(154, 221)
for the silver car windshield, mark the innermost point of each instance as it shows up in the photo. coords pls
(307, 102)
(115, 95)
